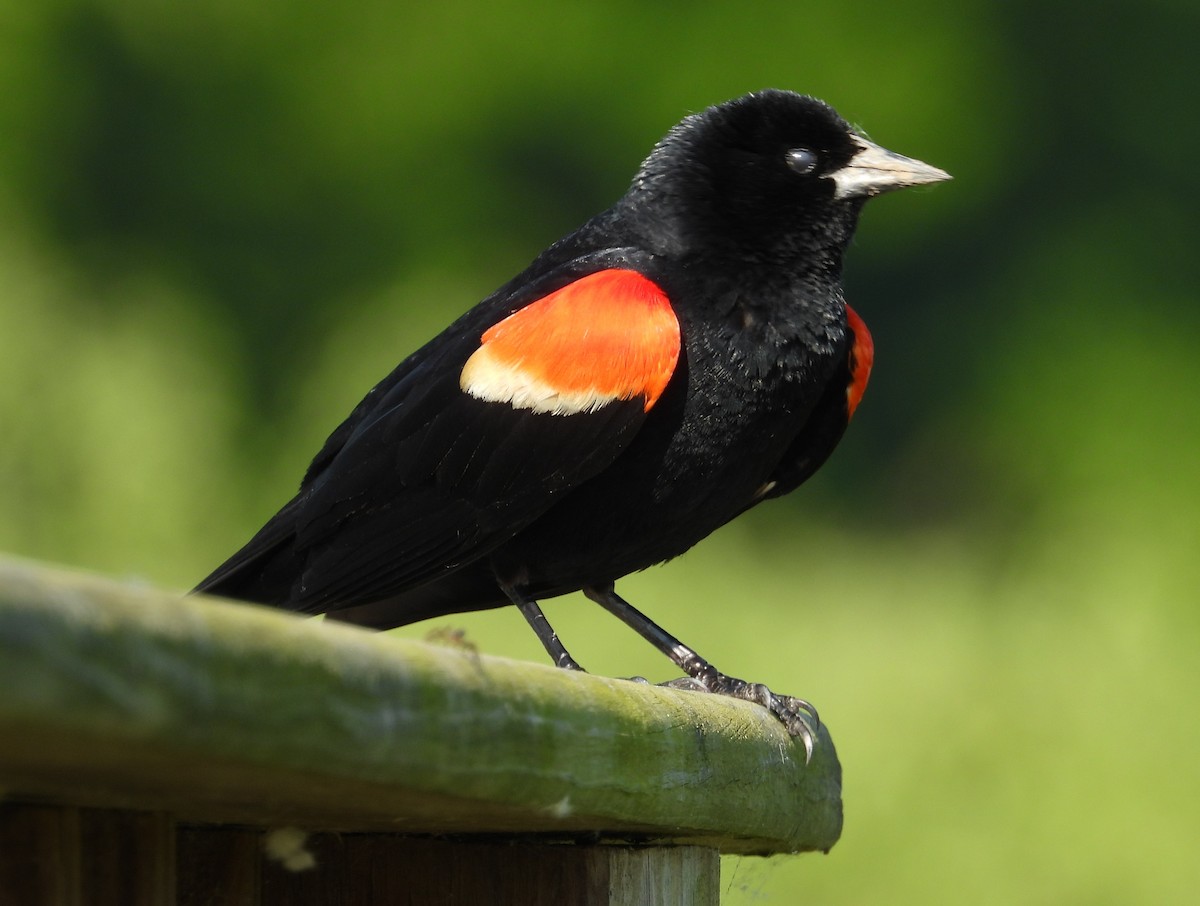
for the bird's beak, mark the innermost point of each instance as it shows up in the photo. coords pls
(874, 170)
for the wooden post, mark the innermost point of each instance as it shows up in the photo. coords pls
(218, 866)
(148, 744)
(80, 857)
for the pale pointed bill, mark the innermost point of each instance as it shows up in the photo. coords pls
(875, 170)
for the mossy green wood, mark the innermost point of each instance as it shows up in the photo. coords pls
(116, 694)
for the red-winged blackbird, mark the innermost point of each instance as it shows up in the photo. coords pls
(679, 358)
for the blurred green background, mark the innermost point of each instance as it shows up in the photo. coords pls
(221, 223)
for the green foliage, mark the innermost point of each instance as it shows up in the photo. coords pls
(220, 224)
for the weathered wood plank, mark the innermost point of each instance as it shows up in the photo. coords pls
(219, 866)
(116, 695)
(41, 859)
(364, 869)
(54, 855)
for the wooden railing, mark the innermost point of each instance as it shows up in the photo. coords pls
(158, 749)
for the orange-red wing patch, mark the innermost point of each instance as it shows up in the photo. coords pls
(862, 357)
(608, 336)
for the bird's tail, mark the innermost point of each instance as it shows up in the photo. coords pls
(265, 569)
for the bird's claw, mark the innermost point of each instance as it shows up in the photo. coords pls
(798, 716)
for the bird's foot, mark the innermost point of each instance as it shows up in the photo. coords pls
(798, 717)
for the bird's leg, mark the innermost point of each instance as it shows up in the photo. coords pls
(798, 716)
(541, 626)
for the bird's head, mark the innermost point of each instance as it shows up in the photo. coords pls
(772, 173)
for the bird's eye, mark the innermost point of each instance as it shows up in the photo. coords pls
(802, 160)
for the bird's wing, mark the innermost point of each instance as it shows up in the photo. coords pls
(479, 435)
(830, 416)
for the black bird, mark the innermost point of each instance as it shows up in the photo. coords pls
(681, 357)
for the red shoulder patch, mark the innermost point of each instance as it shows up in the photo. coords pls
(862, 357)
(611, 335)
